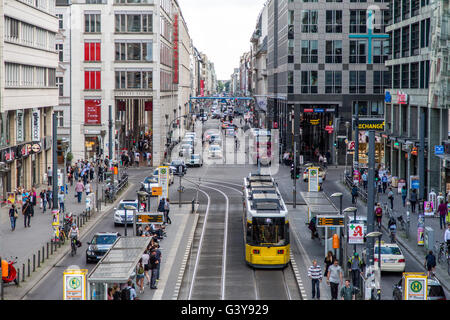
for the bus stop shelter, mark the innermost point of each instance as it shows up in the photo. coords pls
(117, 266)
(318, 204)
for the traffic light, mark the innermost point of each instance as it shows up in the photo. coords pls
(297, 173)
(292, 172)
(335, 144)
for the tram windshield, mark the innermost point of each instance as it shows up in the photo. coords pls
(269, 231)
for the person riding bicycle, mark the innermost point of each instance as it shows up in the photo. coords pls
(74, 233)
(447, 237)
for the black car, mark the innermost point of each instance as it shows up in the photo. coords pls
(178, 166)
(99, 245)
(435, 290)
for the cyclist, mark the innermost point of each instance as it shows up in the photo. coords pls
(447, 237)
(74, 233)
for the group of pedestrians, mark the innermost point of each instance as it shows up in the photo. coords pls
(24, 201)
(335, 277)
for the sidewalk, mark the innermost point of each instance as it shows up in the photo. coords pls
(23, 242)
(419, 252)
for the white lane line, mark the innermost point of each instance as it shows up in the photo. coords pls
(169, 260)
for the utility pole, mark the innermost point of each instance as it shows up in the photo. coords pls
(110, 146)
(371, 197)
(356, 158)
(295, 175)
(55, 161)
(422, 154)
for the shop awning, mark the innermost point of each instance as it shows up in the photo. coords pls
(119, 262)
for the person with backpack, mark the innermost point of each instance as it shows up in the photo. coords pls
(430, 263)
(378, 215)
(348, 292)
(116, 292)
(140, 276)
(354, 194)
(166, 212)
(128, 293)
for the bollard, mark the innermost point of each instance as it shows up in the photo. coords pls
(43, 252)
(34, 262)
(29, 267)
(51, 248)
(23, 272)
(39, 258)
(47, 250)
(78, 220)
(18, 277)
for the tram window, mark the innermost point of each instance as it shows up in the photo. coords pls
(269, 231)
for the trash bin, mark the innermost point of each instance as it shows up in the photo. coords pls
(429, 239)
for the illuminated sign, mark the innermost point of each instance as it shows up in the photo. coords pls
(371, 124)
(147, 218)
(402, 98)
(176, 57)
(330, 221)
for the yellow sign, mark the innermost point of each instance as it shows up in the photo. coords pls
(330, 221)
(377, 125)
(74, 284)
(314, 122)
(145, 218)
(157, 191)
(415, 286)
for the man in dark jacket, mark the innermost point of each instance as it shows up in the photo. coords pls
(26, 211)
(154, 267)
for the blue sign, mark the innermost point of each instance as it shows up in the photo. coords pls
(319, 110)
(438, 150)
(387, 97)
(415, 184)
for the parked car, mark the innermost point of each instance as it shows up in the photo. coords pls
(119, 212)
(195, 161)
(435, 290)
(215, 152)
(176, 164)
(99, 245)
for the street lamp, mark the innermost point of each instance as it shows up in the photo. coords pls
(340, 196)
(347, 210)
(375, 234)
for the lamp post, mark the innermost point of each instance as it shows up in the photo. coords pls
(347, 126)
(376, 234)
(347, 210)
(126, 219)
(340, 196)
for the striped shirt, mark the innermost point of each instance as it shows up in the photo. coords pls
(315, 272)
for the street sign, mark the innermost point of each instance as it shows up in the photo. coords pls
(438, 150)
(313, 180)
(149, 218)
(330, 221)
(416, 286)
(301, 160)
(157, 191)
(356, 233)
(164, 181)
(74, 284)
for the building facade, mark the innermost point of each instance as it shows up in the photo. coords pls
(418, 97)
(325, 59)
(28, 92)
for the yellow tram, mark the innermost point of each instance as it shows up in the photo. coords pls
(266, 223)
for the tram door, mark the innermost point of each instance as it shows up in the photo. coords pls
(315, 139)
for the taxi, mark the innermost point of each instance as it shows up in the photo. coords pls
(392, 258)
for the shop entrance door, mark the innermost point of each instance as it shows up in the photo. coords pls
(315, 140)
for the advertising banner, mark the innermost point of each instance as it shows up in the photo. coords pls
(92, 111)
(19, 125)
(35, 126)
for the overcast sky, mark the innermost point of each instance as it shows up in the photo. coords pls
(221, 29)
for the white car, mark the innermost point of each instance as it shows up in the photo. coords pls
(191, 135)
(392, 258)
(194, 161)
(215, 152)
(119, 212)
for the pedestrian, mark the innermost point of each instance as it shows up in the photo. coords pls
(430, 263)
(313, 228)
(26, 211)
(334, 278)
(355, 264)
(413, 200)
(61, 201)
(34, 198)
(110, 293)
(43, 197)
(79, 188)
(145, 262)
(354, 194)
(154, 267)
(116, 292)
(378, 215)
(13, 215)
(325, 162)
(136, 158)
(140, 276)
(315, 274)
(447, 237)
(384, 181)
(391, 198)
(166, 212)
(161, 205)
(132, 290)
(404, 194)
(87, 188)
(364, 178)
(348, 291)
(158, 256)
(49, 176)
(329, 260)
(49, 196)
(442, 210)
(149, 159)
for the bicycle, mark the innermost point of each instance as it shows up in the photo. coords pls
(73, 245)
(442, 250)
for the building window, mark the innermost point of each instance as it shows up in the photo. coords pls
(415, 34)
(60, 85)
(358, 21)
(27, 76)
(309, 21)
(309, 51)
(92, 23)
(414, 78)
(134, 79)
(290, 78)
(380, 51)
(60, 51)
(59, 118)
(133, 1)
(358, 51)
(405, 42)
(405, 76)
(60, 21)
(333, 81)
(290, 47)
(11, 29)
(425, 33)
(92, 80)
(92, 51)
(134, 23)
(380, 81)
(309, 81)
(405, 9)
(134, 51)
(397, 44)
(357, 82)
(415, 8)
(396, 75)
(333, 21)
(397, 11)
(376, 108)
(333, 50)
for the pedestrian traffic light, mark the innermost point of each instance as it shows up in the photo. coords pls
(297, 173)
(335, 144)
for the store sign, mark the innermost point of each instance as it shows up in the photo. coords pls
(438, 150)
(356, 233)
(329, 129)
(314, 122)
(19, 125)
(35, 126)
(9, 155)
(387, 97)
(176, 56)
(92, 111)
(402, 98)
(371, 124)
(36, 148)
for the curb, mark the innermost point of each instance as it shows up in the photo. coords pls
(57, 258)
(298, 279)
